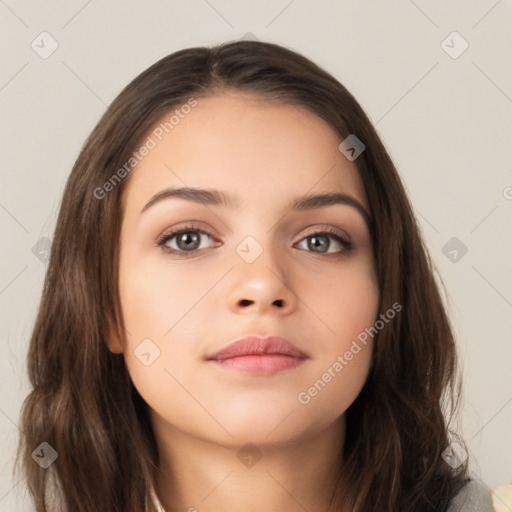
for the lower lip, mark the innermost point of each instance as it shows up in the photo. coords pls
(269, 364)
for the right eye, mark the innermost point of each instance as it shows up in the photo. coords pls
(187, 240)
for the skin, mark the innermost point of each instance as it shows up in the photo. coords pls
(266, 155)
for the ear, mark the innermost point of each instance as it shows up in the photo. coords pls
(114, 345)
(113, 341)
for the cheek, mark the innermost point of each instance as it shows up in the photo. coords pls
(347, 309)
(332, 391)
(345, 299)
(157, 294)
(342, 360)
(162, 312)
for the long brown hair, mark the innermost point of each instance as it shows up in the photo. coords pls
(83, 403)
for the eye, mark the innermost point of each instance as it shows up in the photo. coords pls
(188, 240)
(320, 241)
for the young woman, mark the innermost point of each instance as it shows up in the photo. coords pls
(239, 312)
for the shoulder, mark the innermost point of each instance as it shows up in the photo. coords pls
(473, 497)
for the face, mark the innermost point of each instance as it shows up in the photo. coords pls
(254, 266)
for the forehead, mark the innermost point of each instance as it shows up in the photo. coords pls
(246, 147)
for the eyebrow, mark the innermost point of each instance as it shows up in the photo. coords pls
(212, 197)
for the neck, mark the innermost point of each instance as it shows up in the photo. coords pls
(197, 475)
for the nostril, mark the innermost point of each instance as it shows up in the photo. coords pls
(279, 303)
(245, 302)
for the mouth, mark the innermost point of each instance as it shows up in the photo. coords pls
(256, 355)
(266, 364)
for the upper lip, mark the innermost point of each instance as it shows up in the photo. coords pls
(258, 345)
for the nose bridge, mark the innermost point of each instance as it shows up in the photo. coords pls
(260, 256)
(260, 278)
(258, 241)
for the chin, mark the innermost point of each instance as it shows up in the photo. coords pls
(262, 430)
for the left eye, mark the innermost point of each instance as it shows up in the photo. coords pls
(188, 240)
(321, 241)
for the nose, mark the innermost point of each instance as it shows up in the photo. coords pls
(261, 287)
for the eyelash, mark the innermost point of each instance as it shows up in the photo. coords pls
(328, 231)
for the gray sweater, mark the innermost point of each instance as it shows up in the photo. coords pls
(473, 497)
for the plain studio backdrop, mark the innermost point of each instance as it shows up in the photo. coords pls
(434, 77)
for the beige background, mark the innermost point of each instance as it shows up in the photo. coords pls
(446, 122)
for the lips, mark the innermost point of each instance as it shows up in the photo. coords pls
(259, 356)
(258, 346)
